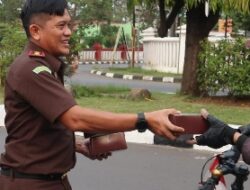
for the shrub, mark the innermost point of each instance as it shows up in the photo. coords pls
(225, 67)
(11, 44)
(105, 35)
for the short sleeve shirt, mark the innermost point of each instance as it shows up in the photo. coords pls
(34, 99)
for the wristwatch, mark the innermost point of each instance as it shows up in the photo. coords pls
(141, 123)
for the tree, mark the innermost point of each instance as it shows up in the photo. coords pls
(11, 45)
(166, 18)
(10, 10)
(198, 27)
(243, 5)
(90, 11)
(120, 12)
(241, 21)
(167, 21)
(11, 38)
(145, 11)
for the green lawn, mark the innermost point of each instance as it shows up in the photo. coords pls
(1, 95)
(112, 99)
(230, 114)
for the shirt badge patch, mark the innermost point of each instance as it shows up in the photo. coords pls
(40, 69)
(36, 53)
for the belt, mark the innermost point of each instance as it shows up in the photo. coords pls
(15, 174)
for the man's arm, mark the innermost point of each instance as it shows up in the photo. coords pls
(94, 121)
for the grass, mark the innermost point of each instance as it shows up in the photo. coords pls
(97, 91)
(109, 99)
(138, 71)
(229, 114)
(1, 95)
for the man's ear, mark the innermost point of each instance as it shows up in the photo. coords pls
(35, 31)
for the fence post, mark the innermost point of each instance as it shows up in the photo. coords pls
(98, 51)
(182, 39)
(123, 50)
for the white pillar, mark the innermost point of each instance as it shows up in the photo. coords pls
(182, 37)
(148, 33)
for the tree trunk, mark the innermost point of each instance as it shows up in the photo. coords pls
(162, 30)
(167, 22)
(198, 28)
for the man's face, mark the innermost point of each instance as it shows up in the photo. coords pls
(55, 33)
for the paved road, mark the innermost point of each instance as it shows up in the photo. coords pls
(140, 167)
(84, 77)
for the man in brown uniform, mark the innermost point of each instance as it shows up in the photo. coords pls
(41, 116)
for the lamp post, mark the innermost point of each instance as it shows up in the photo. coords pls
(226, 26)
(133, 39)
(136, 11)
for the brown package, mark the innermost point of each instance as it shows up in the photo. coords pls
(100, 144)
(192, 123)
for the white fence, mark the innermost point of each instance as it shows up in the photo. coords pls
(108, 55)
(168, 54)
(163, 54)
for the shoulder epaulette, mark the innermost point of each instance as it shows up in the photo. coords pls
(36, 53)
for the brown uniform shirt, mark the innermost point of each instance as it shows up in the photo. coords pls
(34, 98)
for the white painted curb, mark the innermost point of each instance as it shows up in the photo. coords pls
(2, 115)
(136, 137)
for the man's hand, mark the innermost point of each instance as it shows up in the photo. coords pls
(219, 133)
(159, 123)
(81, 146)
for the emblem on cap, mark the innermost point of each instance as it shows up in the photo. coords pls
(36, 53)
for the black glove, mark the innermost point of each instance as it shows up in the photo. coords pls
(219, 134)
(245, 129)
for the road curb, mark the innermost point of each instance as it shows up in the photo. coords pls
(128, 77)
(106, 62)
(137, 77)
(135, 137)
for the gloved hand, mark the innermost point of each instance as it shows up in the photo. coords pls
(219, 133)
(245, 129)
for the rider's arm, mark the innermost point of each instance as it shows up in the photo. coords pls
(243, 144)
